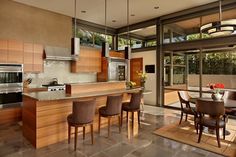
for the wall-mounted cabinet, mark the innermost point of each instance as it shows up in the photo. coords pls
(17, 52)
(89, 60)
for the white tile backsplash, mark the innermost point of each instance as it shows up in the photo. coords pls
(60, 70)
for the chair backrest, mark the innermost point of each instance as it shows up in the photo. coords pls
(184, 98)
(212, 108)
(135, 100)
(83, 111)
(114, 104)
(231, 95)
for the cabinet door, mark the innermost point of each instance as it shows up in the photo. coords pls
(15, 52)
(28, 57)
(38, 58)
(3, 51)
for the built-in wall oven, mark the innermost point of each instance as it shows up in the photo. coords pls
(11, 84)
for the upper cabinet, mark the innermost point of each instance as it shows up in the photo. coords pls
(17, 52)
(89, 60)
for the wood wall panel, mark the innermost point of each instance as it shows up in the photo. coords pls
(103, 75)
(89, 61)
(38, 58)
(120, 54)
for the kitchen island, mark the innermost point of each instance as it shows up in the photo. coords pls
(44, 113)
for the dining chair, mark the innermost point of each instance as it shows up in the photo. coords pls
(82, 115)
(112, 109)
(230, 98)
(132, 106)
(185, 106)
(211, 114)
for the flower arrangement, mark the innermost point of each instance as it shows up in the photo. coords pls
(216, 87)
(142, 75)
(130, 84)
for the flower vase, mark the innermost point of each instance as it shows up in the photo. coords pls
(216, 96)
(143, 84)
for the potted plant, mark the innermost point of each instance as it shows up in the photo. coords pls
(143, 77)
(216, 95)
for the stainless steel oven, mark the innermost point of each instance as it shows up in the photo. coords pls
(11, 84)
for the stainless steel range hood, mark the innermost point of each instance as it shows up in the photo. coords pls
(58, 53)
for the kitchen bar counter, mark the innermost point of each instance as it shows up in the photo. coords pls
(44, 113)
(61, 95)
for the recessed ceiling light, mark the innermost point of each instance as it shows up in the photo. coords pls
(113, 20)
(83, 11)
(132, 15)
(156, 7)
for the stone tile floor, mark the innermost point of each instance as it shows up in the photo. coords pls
(146, 144)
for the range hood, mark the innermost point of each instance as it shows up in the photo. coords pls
(59, 53)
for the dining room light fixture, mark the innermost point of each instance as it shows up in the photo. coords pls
(75, 42)
(221, 27)
(105, 45)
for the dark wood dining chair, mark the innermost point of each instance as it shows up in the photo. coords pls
(185, 106)
(112, 109)
(132, 106)
(215, 119)
(230, 98)
(82, 115)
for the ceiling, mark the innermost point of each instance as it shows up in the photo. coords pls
(116, 9)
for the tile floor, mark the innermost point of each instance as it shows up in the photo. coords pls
(146, 144)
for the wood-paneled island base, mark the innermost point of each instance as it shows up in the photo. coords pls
(44, 113)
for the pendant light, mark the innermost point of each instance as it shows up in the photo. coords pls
(75, 42)
(221, 27)
(105, 45)
(128, 48)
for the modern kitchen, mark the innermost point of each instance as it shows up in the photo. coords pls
(102, 78)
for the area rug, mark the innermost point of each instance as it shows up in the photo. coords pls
(185, 133)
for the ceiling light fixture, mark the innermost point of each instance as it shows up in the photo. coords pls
(128, 48)
(156, 7)
(83, 11)
(113, 21)
(105, 45)
(221, 27)
(75, 42)
(132, 15)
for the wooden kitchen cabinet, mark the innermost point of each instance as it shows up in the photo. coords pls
(38, 58)
(28, 57)
(89, 60)
(18, 52)
(15, 51)
(3, 51)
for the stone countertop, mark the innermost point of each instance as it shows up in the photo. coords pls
(86, 83)
(61, 95)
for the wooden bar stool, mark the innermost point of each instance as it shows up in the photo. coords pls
(112, 109)
(132, 106)
(82, 115)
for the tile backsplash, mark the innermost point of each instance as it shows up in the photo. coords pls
(60, 70)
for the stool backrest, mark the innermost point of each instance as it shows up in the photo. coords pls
(212, 108)
(135, 100)
(114, 104)
(83, 111)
